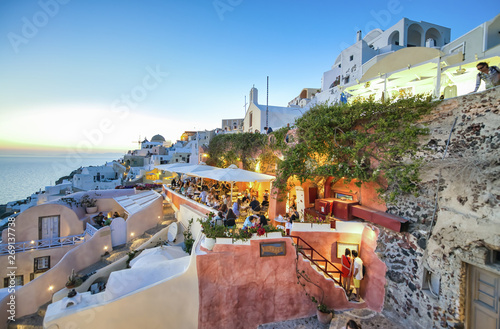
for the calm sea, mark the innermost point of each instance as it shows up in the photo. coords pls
(22, 176)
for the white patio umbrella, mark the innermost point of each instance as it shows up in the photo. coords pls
(234, 174)
(196, 170)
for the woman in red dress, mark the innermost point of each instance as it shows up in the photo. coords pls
(347, 270)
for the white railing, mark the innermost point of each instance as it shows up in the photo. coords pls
(6, 249)
(90, 230)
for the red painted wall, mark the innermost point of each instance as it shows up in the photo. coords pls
(240, 289)
(326, 242)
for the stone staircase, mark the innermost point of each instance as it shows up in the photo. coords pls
(32, 321)
(318, 261)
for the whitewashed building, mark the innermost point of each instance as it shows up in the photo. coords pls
(259, 116)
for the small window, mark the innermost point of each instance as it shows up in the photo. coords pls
(343, 196)
(431, 283)
(351, 58)
(19, 281)
(41, 264)
(494, 257)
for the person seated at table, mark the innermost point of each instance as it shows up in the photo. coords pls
(236, 207)
(223, 208)
(216, 203)
(262, 220)
(184, 187)
(219, 219)
(228, 202)
(255, 203)
(294, 213)
(99, 219)
(203, 194)
(265, 202)
(250, 221)
(108, 221)
(230, 220)
(246, 196)
(245, 205)
(172, 182)
(116, 214)
(209, 200)
(190, 189)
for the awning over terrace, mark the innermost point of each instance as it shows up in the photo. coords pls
(135, 203)
(234, 174)
(230, 174)
(187, 168)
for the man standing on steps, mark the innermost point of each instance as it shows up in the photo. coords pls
(357, 274)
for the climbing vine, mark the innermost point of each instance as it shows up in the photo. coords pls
(227, 149)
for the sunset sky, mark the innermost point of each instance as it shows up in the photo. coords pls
(95, 75)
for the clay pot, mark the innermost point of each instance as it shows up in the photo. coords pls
(91, 210)
(324, 318)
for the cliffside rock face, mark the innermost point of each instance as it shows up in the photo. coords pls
(466, 225)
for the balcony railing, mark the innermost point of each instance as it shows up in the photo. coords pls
(90, 230)
(6, 249)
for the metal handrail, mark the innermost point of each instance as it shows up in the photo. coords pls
(298, 240)
(6, 249)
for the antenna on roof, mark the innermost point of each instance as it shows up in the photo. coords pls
(267, 104)
(245, 106)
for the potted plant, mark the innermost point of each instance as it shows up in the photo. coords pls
(211, 232)
(89, 203)
(188, 238)
(323, 313)
(242, 236)
(312, 224)
(73, 280)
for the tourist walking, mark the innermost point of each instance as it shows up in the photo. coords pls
(489, 74)
(357, 274)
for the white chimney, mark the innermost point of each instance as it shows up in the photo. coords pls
(358, 36)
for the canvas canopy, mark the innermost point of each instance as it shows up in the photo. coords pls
(231, 174)
(234, 174)
(187, 168)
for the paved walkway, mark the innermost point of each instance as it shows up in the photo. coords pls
(368, 319)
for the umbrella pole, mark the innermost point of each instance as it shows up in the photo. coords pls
(231, 191)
